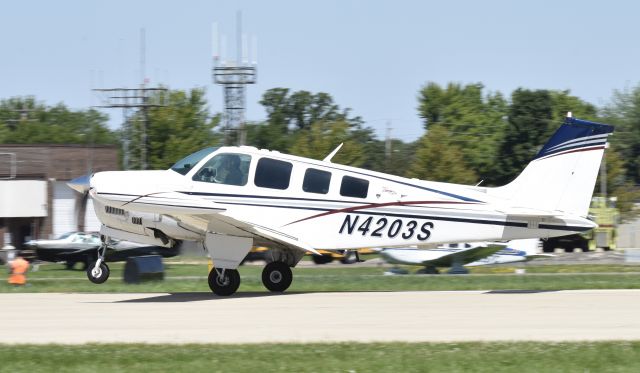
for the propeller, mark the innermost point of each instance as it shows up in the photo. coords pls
(81, 185)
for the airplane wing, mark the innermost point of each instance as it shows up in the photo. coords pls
(169, 203)
(180, 204)
(440, 257)
(270, 234)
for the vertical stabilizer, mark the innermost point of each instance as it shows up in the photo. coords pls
(563, 174)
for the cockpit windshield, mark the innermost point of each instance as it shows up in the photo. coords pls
(184, 165)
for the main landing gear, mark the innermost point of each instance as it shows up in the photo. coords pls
(98, 272)
(276, 277)
(224, 281)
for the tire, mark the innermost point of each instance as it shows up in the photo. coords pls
(349, 257)
(428, 271)
(321, 259)
(547, 247)
(70, 264)
(277, 276)
(100, 276)
(584, 246)
(226, 286)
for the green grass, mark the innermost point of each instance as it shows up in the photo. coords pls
(340, 357)
(192, 278)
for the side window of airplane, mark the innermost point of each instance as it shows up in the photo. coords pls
(316, 181)
(354, 187)
(225, 168)
(272, 173)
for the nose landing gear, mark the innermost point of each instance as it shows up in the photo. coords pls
(98, 273)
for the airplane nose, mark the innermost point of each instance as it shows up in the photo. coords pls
(80, 184)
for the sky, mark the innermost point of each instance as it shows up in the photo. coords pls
(370, 56)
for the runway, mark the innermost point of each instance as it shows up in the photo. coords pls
(320, 317)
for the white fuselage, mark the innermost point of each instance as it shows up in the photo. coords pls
(392, 212)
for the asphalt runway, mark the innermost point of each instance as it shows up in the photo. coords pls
(321, 317)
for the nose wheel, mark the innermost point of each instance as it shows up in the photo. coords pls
(277, 276)
(224, 281)
(98, 272)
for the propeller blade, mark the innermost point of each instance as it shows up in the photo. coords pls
(80, 184)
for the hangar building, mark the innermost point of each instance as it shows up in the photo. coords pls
(35, 202)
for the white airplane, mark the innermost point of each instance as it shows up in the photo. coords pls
(471, 254)
(233, 198)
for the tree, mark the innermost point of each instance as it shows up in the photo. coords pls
(180, 128)
(321, 138)
(475, 121)
(439, 159)
(288, 113)
(624, 113)
(530, 125)
(26, 121)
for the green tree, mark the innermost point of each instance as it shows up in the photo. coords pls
(437, 158)
(475, 121)
(180, 128)
(624, 113)
(289, 112)
(318, 140)
(530, 125)
(26, 121)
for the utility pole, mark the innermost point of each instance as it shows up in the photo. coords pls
(234, 76)
(133, 98)
(387, 147)
(141, 98)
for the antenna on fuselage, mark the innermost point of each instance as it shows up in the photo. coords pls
(328, 158)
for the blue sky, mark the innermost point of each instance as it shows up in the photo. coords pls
(371, 56)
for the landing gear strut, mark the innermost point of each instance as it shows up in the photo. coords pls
(224, 281)
(99, 271)
(277, 276)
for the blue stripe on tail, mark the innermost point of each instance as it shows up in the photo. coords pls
(576, 134)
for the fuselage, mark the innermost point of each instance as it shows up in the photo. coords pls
(327, 205)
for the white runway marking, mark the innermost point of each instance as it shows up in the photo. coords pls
(321, 317)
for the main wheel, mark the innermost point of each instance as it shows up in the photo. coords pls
(277, 276)
(98, 275)
(350, 257)
(226, 284)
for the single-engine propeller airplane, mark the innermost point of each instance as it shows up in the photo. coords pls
(233, 198)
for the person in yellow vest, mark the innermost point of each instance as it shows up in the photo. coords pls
(19, 267)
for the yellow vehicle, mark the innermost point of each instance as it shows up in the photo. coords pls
(344, 256)
(603, 211)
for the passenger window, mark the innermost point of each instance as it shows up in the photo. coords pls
(226, 168)
(274, 174)
(316, 181)
(354, 187)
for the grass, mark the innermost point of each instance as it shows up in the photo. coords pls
(339, 357)
(192, 278)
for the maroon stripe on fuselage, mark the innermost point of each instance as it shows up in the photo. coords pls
(376, 205)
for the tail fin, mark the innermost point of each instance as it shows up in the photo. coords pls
(563, 174)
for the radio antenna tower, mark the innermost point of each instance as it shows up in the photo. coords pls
(234, 76)
(127, 99)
